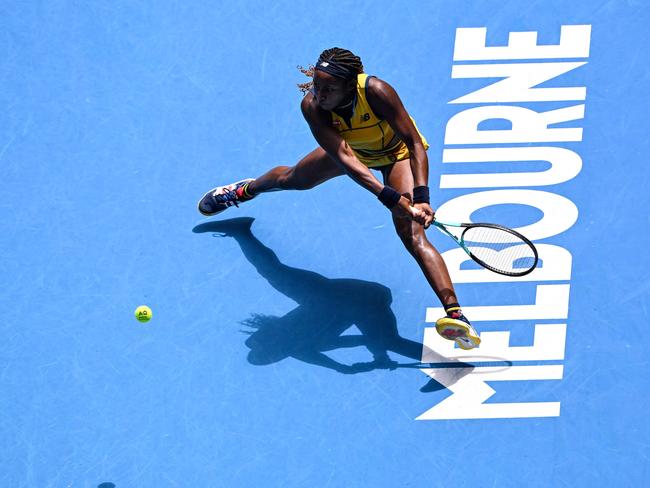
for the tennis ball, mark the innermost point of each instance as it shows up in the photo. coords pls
(143, 313)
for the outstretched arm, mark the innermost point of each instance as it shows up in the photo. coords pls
(386, 104)
(330, 140)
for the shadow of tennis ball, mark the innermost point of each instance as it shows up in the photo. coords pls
(106, 485)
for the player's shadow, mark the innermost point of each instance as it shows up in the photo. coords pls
(326, 308)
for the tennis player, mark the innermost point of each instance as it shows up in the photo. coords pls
(359, 123)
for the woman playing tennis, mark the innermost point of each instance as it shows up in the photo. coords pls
(360, 123)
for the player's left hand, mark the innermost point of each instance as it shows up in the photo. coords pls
(426, 209)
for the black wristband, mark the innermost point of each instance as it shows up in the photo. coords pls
(421, 194)
(389, 197)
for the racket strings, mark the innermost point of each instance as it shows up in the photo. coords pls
(499, 249)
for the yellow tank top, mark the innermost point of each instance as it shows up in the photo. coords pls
(373, 140)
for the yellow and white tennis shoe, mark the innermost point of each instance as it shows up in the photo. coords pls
(457, 328)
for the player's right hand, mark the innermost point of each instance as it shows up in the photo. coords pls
(404, 209)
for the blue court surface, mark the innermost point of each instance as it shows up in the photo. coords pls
(292, 340)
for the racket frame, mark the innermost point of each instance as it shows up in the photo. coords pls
(442, 226)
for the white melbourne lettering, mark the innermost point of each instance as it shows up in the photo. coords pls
(546, 302)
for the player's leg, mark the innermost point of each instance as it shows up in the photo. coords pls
(314, 169)
(412, 234)
(455, 326)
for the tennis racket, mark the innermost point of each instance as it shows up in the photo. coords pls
(495, 247)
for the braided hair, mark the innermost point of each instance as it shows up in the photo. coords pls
(348, 63)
